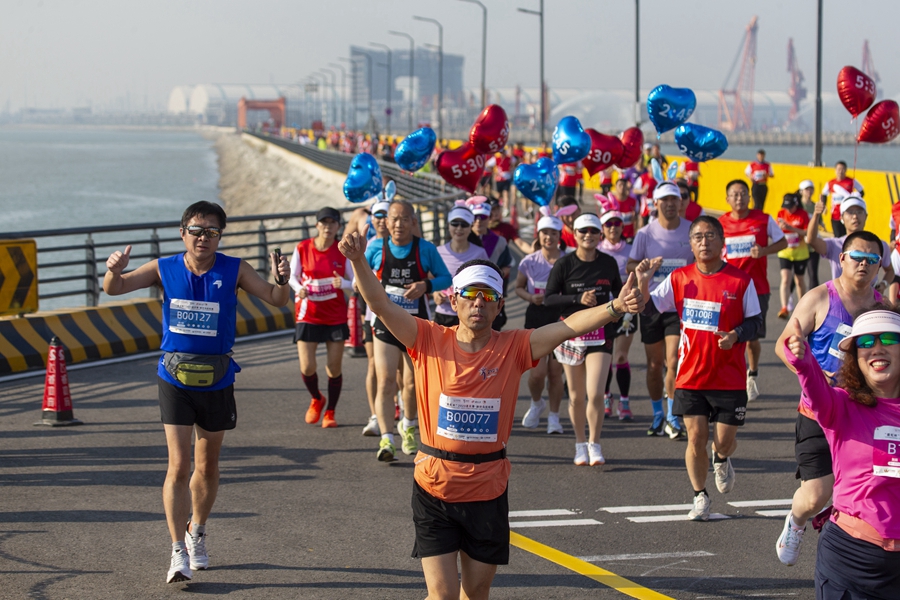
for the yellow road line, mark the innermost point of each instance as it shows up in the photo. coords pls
(607, 578)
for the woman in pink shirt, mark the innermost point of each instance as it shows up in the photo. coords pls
(859, 549)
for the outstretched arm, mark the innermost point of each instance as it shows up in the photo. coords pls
(116, 282)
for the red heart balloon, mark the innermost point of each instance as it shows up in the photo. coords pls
(462, 167)
(606, 150)
(633, 140)
(490, 132)
(856, 90)
(882, 123)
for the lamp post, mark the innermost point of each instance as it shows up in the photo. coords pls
(412, 58)
(637, 63)
(353, 84)
(540, 14)
(483, 48)
(390, 82)
(343, 89)
(440, 72)
(334, 107)
(323, 105)
(817, 141)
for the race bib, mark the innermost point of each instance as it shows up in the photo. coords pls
(192, 317)
(594, 338)
(665, 269)
(842, 331)
(469, 419)
(793, 240)
(886, 452)
(739, 246)
(539, 287)
(627, 218)
(396, 295)
(701, 315)
(319, 290)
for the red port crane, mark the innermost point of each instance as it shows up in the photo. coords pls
(738, 114)
(797, 91)
(868, 67)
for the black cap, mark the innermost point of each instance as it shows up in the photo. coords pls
(790, 201)
(328, 213)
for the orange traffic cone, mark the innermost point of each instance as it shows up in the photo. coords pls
(354, 347)
(57, 408)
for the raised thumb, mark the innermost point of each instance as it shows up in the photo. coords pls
(127, 252)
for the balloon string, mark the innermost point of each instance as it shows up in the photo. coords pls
(855, 146)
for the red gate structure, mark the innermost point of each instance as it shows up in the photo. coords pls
(276, 108)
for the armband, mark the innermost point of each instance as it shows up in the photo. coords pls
(613, 313)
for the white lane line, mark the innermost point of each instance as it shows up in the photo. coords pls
(650, 508)
(523, 524)
(752, 503)
(664, 518)
(778, 512)
(615, 557)
(553, 512)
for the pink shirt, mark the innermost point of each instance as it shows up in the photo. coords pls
(865, 447)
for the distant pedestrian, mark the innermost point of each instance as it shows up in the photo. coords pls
(839, 188)
(759, 172)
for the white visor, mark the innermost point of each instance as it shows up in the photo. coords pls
(478, 274)
(876, 321)
(806, 183)
(666, 188)
(586, 220)
(550, 223)
(380, 207)
(851, 201)
(483, 210)
(462, 213)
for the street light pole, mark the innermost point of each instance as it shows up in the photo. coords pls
(412, 58)
(440, 72)
(390, 83)
(334, 108)
(353, 87)
(540, 14)
(343, 89)
(817, 142)
(637, 63)
(483, 49)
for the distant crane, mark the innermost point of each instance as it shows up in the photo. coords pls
(739, 115)
(797, 91)
(868, 67)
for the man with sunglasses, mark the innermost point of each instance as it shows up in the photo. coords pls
(825, 316)
(690, 210)
(467, 379)
(199, 320)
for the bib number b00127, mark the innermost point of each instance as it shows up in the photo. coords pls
(469, 419)
(192, 317)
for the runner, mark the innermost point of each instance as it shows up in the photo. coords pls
(627, 205)
(665, 239)
(570, 176)
(794, 259)
(503, 175)
(403, 271)
(750, 236)
(196, 373)
(691, 172)
(825, 315)
(508, 230)
(719, 311)
(495, 245)
(455, 252)
(690, 210)
(460, 503)
(580, 280)
(807, 190)
(839, 188)
(319, 276)
(604, 178)
(759, 172)
(568, 234)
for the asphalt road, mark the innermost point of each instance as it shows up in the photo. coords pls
(306, 512)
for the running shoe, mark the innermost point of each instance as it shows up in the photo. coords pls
(386, 450)
(752, 388)
(659, 422)
(315, 410)
(581, 454)
(724, 475)
(783, 313)
(408, 438)
(535, 412)
(553, 424)
(788, 545)
(700, 512)
(328, 419)
(371, 429)
(179, 568)
(596, 455)
(624, 411)
(196, 548)
(674, 430)
(607, 406)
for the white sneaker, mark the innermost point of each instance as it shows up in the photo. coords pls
(581, 454)
(196, 547)
(724, 475)
(553, 424)
(788, 545)
(371, 429)
(595, 454)
(533, 416)
(179, 569)
(700, 512)
(752, 389)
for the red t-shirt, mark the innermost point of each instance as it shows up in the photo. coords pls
(570, 174)
(504, 169)
(691, 169)
(568, 237)
(740, 235)
(759, 172)
(627, 207)
(798, 219)
(323, 304)
(844, 187)
(506, 230)
(692, 211)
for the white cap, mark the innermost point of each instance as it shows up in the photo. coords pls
(482, 274)
(586, 220)
(611, 214)
(666, 188)
(483, 210)
(462, 213)
(647, 146)
(550, 222)
(852, 200)
(806, 183)
(875, 321)
(382, 206)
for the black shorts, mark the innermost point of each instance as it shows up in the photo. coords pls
(719, 406)
(811, 450)
(847, 567)
(763, 311)
(380, 332)
(367, 332)
(212, 411)
(797, 266)
(656, 326)
(480, 529)
(503, 185)
(311, 332)
(446, 320)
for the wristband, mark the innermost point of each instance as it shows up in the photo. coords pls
(613, 313)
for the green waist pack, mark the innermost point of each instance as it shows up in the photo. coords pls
(196, 370)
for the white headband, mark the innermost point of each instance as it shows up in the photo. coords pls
(550, 223)
(482, 274)
(380, 207)
(460, 212)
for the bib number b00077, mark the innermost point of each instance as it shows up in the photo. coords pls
(469, 419)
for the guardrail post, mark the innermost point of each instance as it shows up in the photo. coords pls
(262, 263)
(93, 285)
(155, 290)
(436, 225)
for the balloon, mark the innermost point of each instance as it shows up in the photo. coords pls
(633, 141)
(570, 142)
(490, 132)
(656, 170)
(672, 171)
(537, 182)
(462, 167)
(700, 143)
(856, 90)
(390, 190)
(670, 107)
(605, 151)
(882, 123)
(363, 179)
(415, 149)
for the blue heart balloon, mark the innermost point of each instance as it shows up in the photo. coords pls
(538, 181)
(669, 107)
(415, 149)
(363, 179)
(571, 142)
(700, 143)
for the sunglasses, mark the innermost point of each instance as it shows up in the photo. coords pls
(471, 292)
(685, 196)
(613, 223)
(461, 224)
(210, 232)
(481, 217)
(888, 338)
(867, 257)
(587, 230)
(380, 215)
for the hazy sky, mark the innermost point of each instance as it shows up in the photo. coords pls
(63, 53)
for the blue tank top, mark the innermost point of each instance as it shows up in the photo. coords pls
(199, 312)
(837, 325)
(370, 229)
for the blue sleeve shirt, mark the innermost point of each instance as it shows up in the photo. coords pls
(431, 260)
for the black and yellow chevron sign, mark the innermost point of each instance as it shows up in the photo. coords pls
(18, 277)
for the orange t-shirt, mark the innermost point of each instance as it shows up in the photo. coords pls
(467, 402)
